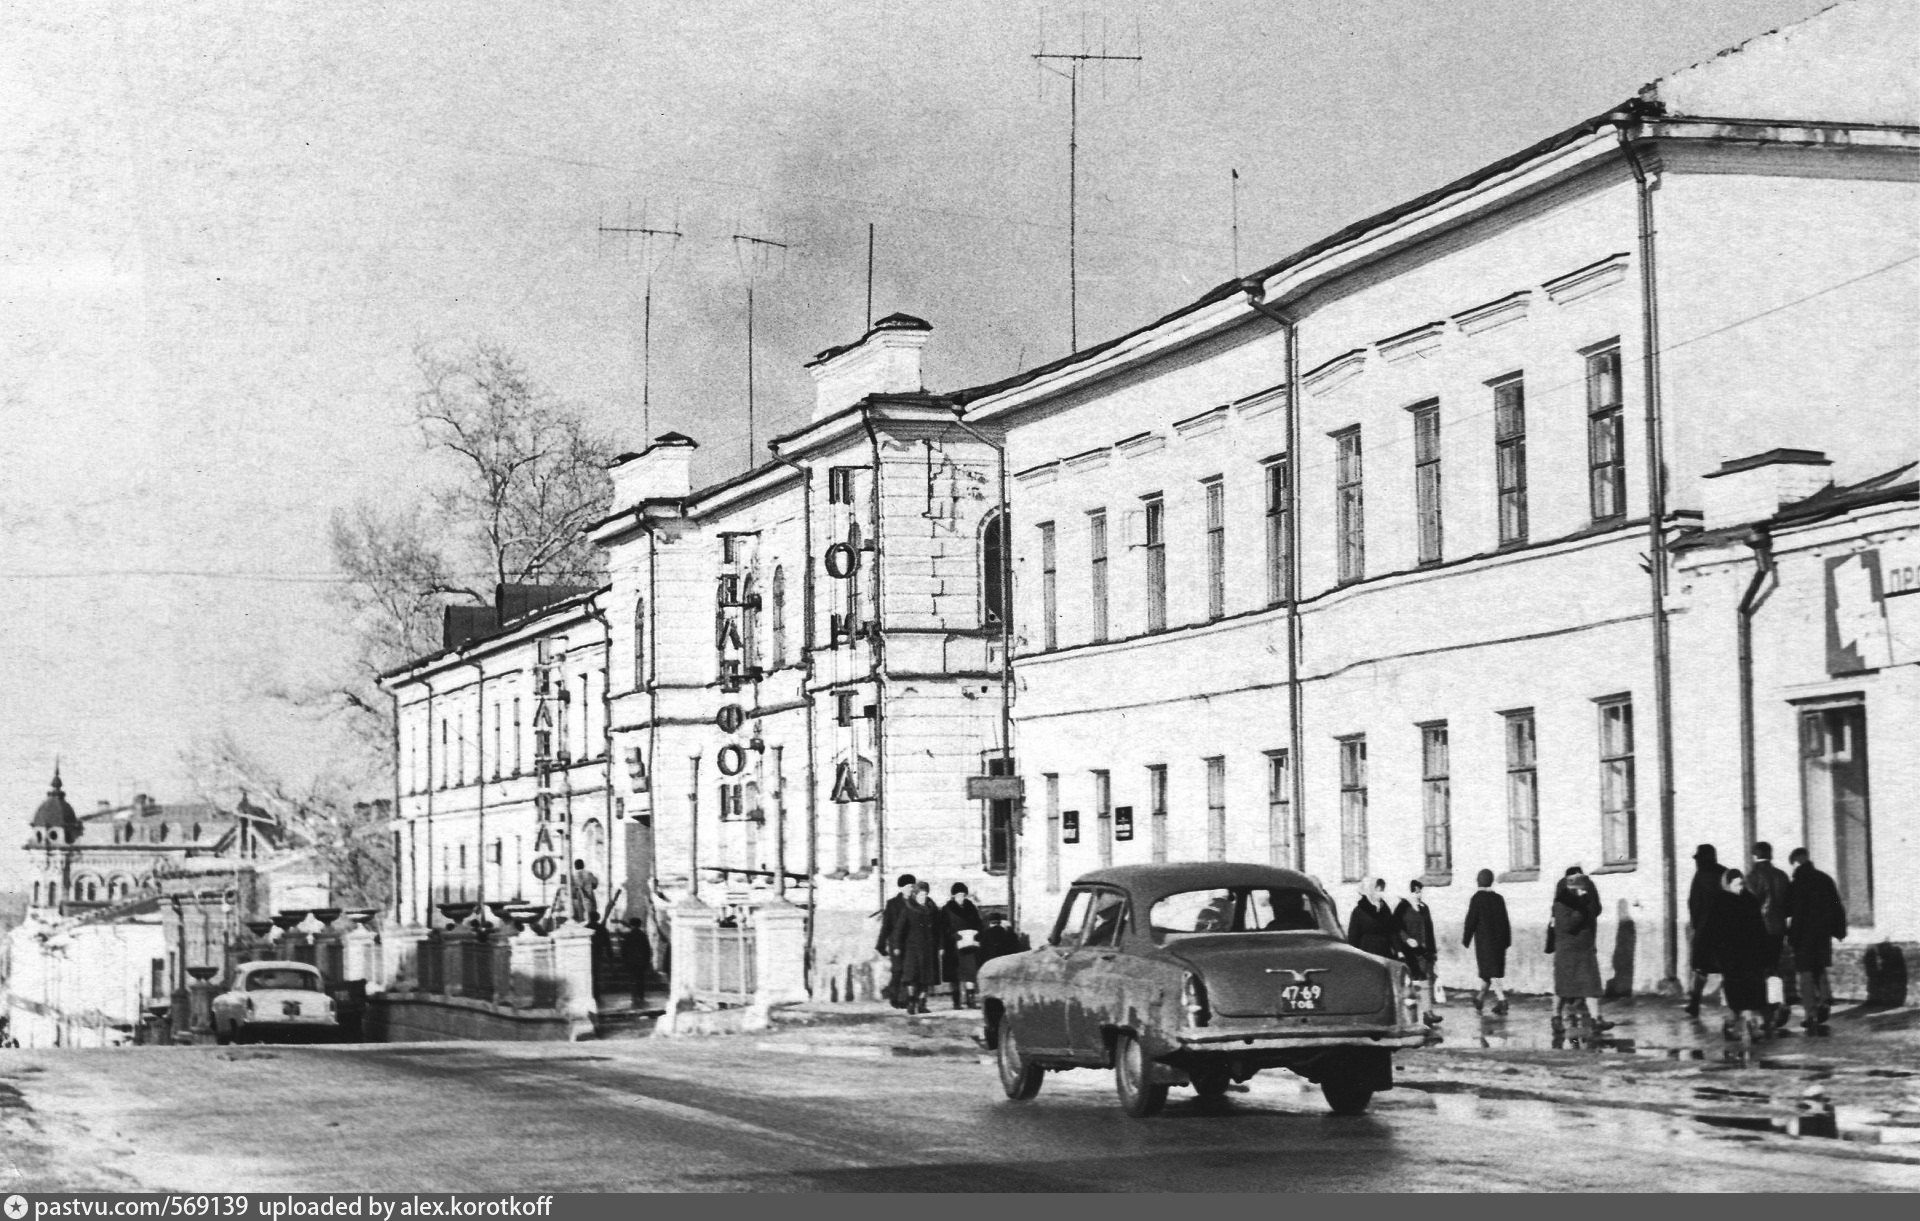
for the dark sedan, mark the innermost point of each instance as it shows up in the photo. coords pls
(1197, 974)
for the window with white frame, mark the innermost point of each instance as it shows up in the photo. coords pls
(1426, 481)
(777, 654)
(1103, 815)
(1523, 791)
(1155, 508)
(1280, 849)
(1353, 808)
(1049, 588)
(1051, 782)
(1157, 810)
(993, 571)
(1606, 436)
(1217, 808)
(1510, 456)
(1097, 541)
(1279, 480)
(1617, 833)
(1216, 547)
(1436, 800)
(1349, 506)
(639, 643)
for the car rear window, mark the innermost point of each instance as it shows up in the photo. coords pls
(1243, 909)
(285, 979)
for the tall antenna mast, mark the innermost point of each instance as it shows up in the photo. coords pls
(1074, 62)
(1235, 188)
(655, 246)
(756, 255)
(869, 276)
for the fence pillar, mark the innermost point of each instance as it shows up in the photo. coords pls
(780, 953)
(573, 967)
(530, 965)
(357, 947)
(690, 915)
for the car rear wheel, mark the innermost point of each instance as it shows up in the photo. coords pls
(1210, 1083)
(222, 1035)
(1019, 1076)
(1345, 1096)
(1139, 1097)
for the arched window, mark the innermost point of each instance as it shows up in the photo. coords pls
(993, 571)
(750, 623)
(593, 843)
(639, 643)
(36, 894)
(779, 617)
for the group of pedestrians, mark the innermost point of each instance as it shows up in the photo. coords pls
(927, 944)
(1405, 932)
(1765, 925)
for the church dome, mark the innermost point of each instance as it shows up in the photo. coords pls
(55, 813)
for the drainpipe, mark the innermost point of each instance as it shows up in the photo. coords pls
(1630, 129)
(426, 913)
(1761, 543)
(1256, 292)
(598, 614)
(399, 898)
(480, 789)
(806, 692)
(879, 643)
(1018, 821)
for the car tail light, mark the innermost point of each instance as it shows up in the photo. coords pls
(1194, 996)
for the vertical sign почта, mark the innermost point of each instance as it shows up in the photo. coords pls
(1857, 637)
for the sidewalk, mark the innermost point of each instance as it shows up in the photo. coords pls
(1866, 1070)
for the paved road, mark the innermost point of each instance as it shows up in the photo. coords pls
(721, 1115)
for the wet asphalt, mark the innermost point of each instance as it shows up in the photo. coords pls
(739, 1115)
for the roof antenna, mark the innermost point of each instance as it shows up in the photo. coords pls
(655, 246)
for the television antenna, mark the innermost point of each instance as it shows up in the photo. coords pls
(759, 257)
(656, 244)
(1075, 62)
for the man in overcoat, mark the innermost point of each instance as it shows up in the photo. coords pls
(1815, 916)
(1768, 884)
(885, 946)
(1708, 873)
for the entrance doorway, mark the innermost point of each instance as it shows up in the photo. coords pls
(1834, 797)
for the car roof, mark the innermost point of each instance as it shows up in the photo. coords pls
(276, 964)
(1147, 883)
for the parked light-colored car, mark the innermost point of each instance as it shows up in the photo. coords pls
(275, 1001)
(1197, 974)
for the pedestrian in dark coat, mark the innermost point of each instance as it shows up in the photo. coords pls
(918, 934)
(1489, 934)
(1767, 883)
(1370, 927)
(1815, 917)
(1737, 940)
(1576, 957)
(1414, 922)
(961, 968)
(1701, 897)
(636, 952)
(997, 940)
(883, 946)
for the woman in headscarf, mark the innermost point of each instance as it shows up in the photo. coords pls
(917, 935)
(1736, 942)
(1489, 934)
(1576, 957)
(963, 925)
(1371, 926)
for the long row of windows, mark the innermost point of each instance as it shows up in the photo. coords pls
(572, 738)
(1616, 806)
(1606, 487)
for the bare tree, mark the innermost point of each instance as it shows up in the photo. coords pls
(525, 476)
(348, 837)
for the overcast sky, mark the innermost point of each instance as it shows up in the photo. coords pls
(225, 226)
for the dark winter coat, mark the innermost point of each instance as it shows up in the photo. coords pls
(1372, 928)
(1415, 929)
(1738, 944)
(1576, 926)
(1701, 897)
(889, 916)
(917, 936)
(960, 964)
(1768, 884)
(1488, 933)
(1815, 916)
(997, 941)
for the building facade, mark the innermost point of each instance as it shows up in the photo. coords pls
(1366, 564)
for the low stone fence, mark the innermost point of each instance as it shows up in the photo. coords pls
(485, 980)
(730, 967)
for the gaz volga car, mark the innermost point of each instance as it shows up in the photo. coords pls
(1197, 974)
(274, 1000)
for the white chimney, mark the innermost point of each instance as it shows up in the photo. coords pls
(886, 360)
(1748, 490)
(661, 471)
